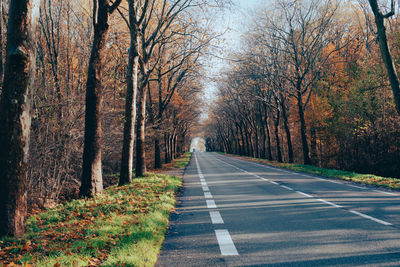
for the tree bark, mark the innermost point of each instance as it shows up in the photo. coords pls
(313, 145)
(269, 149)
(303, 129)
(15, 119)
(157, 153)
(92, 179)
(140, 130)
(287, 130)
(385, 50)
(278, 143)
(1, 46)
(130, 107)
(264, 142)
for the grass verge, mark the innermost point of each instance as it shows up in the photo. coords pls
(180, 162)
(370, 179)
(125, 226)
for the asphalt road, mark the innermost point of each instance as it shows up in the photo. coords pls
(238, 213)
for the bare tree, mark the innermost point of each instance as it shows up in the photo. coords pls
(137, 14)
(384, 47)
(304, 30)
(15, 118)
(92, 180)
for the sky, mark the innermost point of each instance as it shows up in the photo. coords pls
(233, 23)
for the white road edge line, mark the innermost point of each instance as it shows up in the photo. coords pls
(369, 217)
(225, 243)
(216, 217)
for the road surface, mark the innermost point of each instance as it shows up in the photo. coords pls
(238, 213)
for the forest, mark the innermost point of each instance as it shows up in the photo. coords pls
(310, 85)
(94, 88)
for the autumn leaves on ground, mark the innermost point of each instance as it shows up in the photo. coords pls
(125, 226)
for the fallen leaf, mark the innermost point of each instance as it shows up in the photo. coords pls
(26, 246)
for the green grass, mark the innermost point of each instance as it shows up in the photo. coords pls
(370, 179)
(182, 161)
(125, 226)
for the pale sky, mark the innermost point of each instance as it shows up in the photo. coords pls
(233, 22)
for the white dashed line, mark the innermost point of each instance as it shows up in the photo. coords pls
(329, 203)
(322, 200)
(286, 187)
(369, 217)
(211, 204)
(207, 195)
(225, 242)
(216, 217)
(387, 193)
(304, 194)
(355, 186)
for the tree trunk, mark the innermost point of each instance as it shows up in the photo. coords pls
(313, 145)
(244, 151)
(1, 45)
(385, 51)
(257, 147)
(130, 107)
(287, 130)
(278, 143)
(264, 142)
(140, 130)
(92, 179)
(15, 119)
(268, 140)
(303, 128)
(166, 148)
(157, 153)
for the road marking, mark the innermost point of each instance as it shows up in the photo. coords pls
(201, 176)
(205, 188)
(207, 195)
(203, 183)
(325, 201)
(331, 181)
(286, 187)
(304, 194)
(329, 203)
(387, 193)
(355, 186)
(225, 243)
(216, 217)
(202, 180)
(369, 217)
(211, 204)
